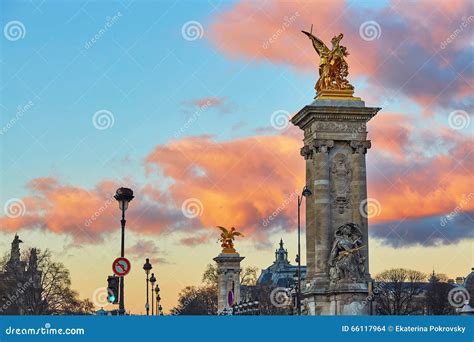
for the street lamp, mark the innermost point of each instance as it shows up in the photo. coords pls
(158, 298)
(152, 281)
(147, 267)
(123, 196)
(305, 193)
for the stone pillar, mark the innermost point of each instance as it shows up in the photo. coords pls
(359, 193)
(335, 144)
(307, 152)
(321, 208)
(228, 285)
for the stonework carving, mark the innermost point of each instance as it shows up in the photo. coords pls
(360, 147)
(345, 261)
(341, 180)
(323, 146)
(346, 127)
(306, 152)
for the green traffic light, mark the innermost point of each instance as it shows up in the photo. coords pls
(111, 298)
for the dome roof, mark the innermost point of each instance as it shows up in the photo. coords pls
(469, 281)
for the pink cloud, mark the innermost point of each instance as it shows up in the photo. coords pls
(243, 182)
(406, 59)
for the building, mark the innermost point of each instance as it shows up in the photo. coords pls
(281, 273)
(20, 283)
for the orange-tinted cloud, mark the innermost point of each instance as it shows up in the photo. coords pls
(243, 182)
(419, 49)
(236, 183)
(390, 132)
(204, 103)
(252, 183)
(85, 215)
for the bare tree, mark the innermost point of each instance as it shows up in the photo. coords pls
(54, 296)
(248, 275)
(436, 297)
(202, 300)
(401, 292)
(193, 300)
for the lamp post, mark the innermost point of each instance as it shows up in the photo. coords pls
(158, 298)
(152, 281)
(305, 193)
(147, 267)
(123, 197)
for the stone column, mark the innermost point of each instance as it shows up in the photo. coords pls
(308, 152)
(228, 285)
(359, 195)
(321, 209)
(335, 143)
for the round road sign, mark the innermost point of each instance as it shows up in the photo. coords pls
(121, 266)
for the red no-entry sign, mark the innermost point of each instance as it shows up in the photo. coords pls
(121, 266)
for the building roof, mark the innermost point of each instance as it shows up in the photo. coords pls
(281, 273)
(469, 280)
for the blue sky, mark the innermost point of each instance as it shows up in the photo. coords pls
(147, 75)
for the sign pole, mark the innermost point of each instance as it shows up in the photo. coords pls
(122, 254)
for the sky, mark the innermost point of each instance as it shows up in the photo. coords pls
(187, 103)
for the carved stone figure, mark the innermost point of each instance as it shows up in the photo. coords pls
(345, 260)
(341, 180)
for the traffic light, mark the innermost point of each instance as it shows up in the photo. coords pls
(112, 289)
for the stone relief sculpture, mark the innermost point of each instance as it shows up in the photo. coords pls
(345, 261)
(341, 180)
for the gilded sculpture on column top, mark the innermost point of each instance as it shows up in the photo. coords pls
(333, 69)
(227, 239)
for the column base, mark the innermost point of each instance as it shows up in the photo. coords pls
(343, 299)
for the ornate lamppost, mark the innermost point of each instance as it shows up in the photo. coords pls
(123, 197)
(305, 193)
(152, 281)
(158, 298)
(147, 267)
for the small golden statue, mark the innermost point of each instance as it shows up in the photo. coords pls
(227, 239)
(333, 70)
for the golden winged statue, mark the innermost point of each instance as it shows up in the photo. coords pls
(227, 239)
(333, 69)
